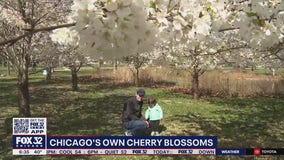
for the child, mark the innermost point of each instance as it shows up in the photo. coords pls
(154, 115)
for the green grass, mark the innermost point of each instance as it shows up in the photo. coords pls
(96, 110)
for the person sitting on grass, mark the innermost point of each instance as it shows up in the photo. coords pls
(132, 118)
(154, 114)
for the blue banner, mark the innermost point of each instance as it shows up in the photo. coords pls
(230, 151)
(120, 142)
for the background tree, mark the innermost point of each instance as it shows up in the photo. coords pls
(20, 21)
(18, 55)
(49, 57)
(192, 32)
(139, 61)
(242, 59)
(73, 58)
(271, 62)
(5, 63)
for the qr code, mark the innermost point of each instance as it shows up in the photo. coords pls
(29, 126)
(21, 125)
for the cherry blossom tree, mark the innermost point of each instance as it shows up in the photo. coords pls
(140, 61)
(21, 22)
(113, 28)
(241, 58)
(196, 27)
(73, 58)
(260, 23)
(136, 63)
(49, 56)
(117, 28)
(72, 53)
(191, 29)
(271, 62)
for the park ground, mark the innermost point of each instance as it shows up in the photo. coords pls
(238, 122)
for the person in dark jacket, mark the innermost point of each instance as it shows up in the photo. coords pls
(132, 118)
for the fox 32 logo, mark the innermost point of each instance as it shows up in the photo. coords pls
(28, 141)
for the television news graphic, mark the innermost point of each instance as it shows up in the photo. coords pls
(29, 136)
(264, 151)
(256, 151)
(250, 151)
(124, 145)
(230, 151)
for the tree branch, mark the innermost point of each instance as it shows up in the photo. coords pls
(35, 30)
(228, 49)
(79, 67)
(228, 29)
(13, 40)
(22, 8)
(50, 28)
(274, 51)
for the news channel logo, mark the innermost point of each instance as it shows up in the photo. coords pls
(28, 142)
(29, 133)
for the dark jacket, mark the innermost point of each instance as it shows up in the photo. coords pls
(132, 110)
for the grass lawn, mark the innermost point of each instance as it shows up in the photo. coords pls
(96, 110)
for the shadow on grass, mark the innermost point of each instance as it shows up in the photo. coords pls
(89, 116)
(8, 95)
(83, 116)
(67, 112)
(245, 123)
(70, 113)
(96, 110)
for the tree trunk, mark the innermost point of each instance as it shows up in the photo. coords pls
(115, 65)
(74, 79)
(195, 84)
(273, 72)
(252, 68)
(8, 69)
(49, 73)
(60, 61)
(136, 77)
(24, 96)
(100, 63)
